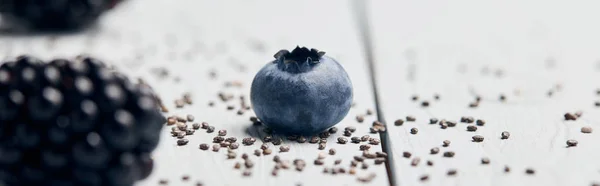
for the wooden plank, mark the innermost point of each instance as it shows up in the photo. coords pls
(234, 39)
(465, 48)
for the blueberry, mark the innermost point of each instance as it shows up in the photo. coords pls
(301, 92)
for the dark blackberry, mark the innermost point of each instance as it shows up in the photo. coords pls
(74, 123)
(54, 14)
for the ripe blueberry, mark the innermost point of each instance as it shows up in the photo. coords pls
(301, 92)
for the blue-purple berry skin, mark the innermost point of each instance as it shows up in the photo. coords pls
(301, 92)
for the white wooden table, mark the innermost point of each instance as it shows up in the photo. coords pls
(456, 49)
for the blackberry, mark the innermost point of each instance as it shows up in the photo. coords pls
(54, 14)
(74, 122)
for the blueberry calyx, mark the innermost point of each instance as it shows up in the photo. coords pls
(301, 59)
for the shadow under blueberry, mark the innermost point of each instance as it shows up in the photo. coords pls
(266, 135)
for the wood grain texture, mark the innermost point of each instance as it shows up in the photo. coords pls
(460, 49)
(234, 39)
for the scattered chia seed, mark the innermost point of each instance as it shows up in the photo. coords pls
(210, 129)
(204, 125)
(179, 103)
(530, 171)
(332, 130)
(365, 138)
(446, 143)
(365, 147)
(264, 146)
(569, 116)
(182, 126)
(216, 147)
(451, 172)
(277, 141)
(301, 139)
(218, 139)
(234, 145)
(284, 148)
(480, 122)
(322, 146)
(379, 161)
(332, 151)
(268, 138)
(451, 123)
(222, 132)
(181, 134)
(443, 125)
(425, 104)
(359, 158)
(586, 130)
(248, 141)
(429, 163)
(374, 141)
(415, 98)
(467, 119)
(314, 140)
(449, 154)
(369, 112)
(267, 151)
(337, 162)
(196, 126)
(406, 154)
(433, 120)
(247, 173)
(189, 132)
(506, 168)
(411, 118)
(414, 130)
(163, 182)
(237, 165)
(342, 140)
(204, 146)
(434, 150)
(348, 133)
(572, 143)
(319, 162)
(471, 128)
(182, 142)
(477, 138)
(424, 178)
(248, 163)
(171, 121)
(504, 135)
(360, 118)
(381, 154)
(351, 128)
(355, 139)
(415, 161)
(399, 122)
(485, 161)
(190, 118)
(231, 155)
(324, 135)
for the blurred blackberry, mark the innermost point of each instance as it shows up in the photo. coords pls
(54, 14)
(74, 123)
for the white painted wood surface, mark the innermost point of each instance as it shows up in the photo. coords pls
(191, 38)
(522, 49)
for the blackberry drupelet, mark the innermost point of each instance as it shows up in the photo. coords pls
(54, 14)
(74, 123)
